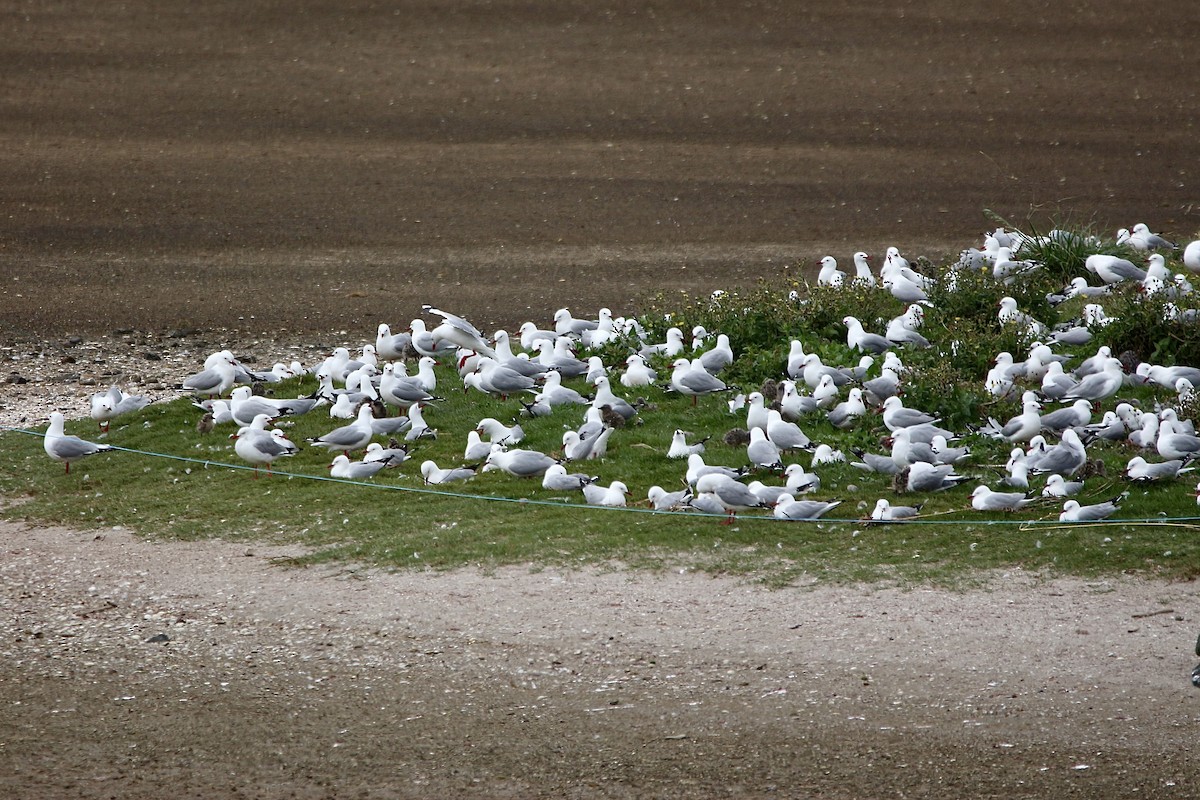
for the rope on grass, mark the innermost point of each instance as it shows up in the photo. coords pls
(1026, 523)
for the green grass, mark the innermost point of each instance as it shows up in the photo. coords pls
(188, 491)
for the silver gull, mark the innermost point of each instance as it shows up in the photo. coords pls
(1058, 486)
(681, 449)
(792, 510)
(884, 511)
(662, 500)
(1074, 512)
(734, 496)
(519, 463)
(984, 499)
(458, 331)
(612, 496)
(345, 469)
(260, 447)
(348, 437)
(434, 475)
(67, 449)
(857, 338)
(107, 406)
(557, 479)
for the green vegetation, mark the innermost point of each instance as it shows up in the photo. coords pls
(179, 484)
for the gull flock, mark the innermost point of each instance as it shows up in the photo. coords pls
(1069, 402)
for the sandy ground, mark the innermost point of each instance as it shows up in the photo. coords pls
(348, 682)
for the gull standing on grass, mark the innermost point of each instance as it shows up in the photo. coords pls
(896, 415)
(244, 406)
(349, 438)
(1099, 385)
(260, 447)
(1176, 445)
(734, 496)
(391, 346)
(785, 435)
(862, 269)
(67, 449)
(690, 378)
(718, 358)
(762, 452)
(217, 377)
(637, 373)
(604, 396)
(1077, 415)
(1114, 269)
(829, 274)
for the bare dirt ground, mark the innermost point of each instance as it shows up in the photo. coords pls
(285, 174)
(347, 682)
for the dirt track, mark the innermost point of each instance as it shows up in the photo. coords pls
(528, 683)
(306, 168)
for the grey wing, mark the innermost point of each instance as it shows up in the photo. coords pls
(736, 494)
(875, 343)
(529, 463)
(202, 381)
(809, 509)
(70, 448)
(702, 382)
(714, 360)
(271, 446)
(389, 425)
(347, 434)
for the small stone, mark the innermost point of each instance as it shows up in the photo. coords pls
(161, 638)
(15, 378)
(151, 356)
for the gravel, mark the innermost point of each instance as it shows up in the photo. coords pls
(39, 376)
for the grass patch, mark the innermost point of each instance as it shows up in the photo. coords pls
(179, 485)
